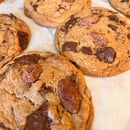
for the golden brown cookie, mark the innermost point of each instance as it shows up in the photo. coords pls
(44, 91)
(96, 40)
(121, 5)
(52, 13)
(14, 37)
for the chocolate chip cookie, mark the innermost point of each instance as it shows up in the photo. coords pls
(96, 40)
(43, 91)
(121, 5)
(52, 13)
(14, 37)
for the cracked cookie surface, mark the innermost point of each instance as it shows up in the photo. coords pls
(97, 40)
(14, 37)
(52, 13)
(44, 91)
(121, 5)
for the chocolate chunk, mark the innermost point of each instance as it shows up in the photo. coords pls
(32, 73)
(124, 1)
(23, 39)
(113, 27)
(69, 95)
(106, 54)
(86, 50)
(128, 36)
(88, 20)
(99, 39)
(116, 19)
(28, 59)
(1, 58)
(69, 24)
(39, 119)
(113, 18)
(70, 1)
(35, 7)
(46, 89)
(69, 46)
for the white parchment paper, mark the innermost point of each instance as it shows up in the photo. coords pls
(111, 96)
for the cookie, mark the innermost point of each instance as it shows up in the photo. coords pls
(14, 37)
(121, 5)
(52, 13)
(44, 91)
(96, 40)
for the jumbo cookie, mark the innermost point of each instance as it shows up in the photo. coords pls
(44, 91)
(14, 37)
(96, 40)
(52, 12)
(121, 5)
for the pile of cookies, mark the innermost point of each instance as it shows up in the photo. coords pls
(46, 91)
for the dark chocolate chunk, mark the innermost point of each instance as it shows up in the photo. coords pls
(124, 1)
(86, 50)
(23, 39)
(39, 119)
(69, 24)
(88, 20)
(113, 27)
(99, 39)
(69, 95)
(32, 73)
(69, 46)
(128, 36)
(28, 59)
(46, 89)
(35, 7)
(106, 54)
(113, 18)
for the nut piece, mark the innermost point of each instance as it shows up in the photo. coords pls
(69, 95)
(32, 73)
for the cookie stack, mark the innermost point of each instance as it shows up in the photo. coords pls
(46, 91)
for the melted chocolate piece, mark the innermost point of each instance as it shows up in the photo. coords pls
(28, 59)
(69, 24)
(35, 7)
(32, 73)
(86, 50)
(46, 89)
(106, 54)
(23, 39)
(113, 18)
(69, 95)
(113, 27)
(39, 119)
(124, 1)
(69, 46)
(128, 36)
(116, 19)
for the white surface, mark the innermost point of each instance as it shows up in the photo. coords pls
(111, 96)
